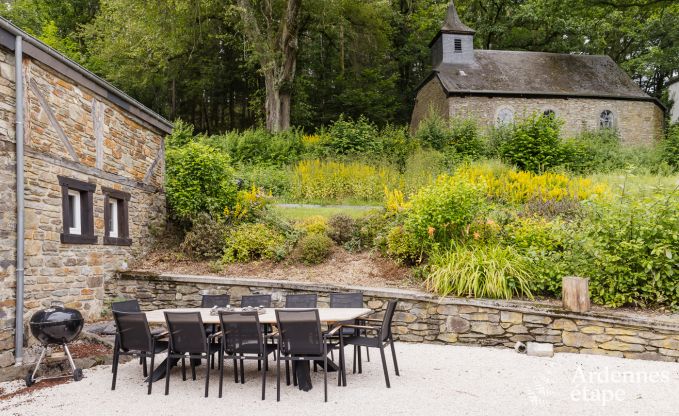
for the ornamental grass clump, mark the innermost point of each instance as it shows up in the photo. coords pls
(490, 271)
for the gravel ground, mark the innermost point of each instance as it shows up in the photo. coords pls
(435, 380)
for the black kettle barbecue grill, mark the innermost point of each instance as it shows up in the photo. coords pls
(56, 325)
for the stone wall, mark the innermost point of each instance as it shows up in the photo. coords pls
(431, 97)
(422, 317)
(639, 122)
(72, 132)
(7, 206)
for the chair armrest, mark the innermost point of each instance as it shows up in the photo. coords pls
(215, 335)
(161, 335)
(333, 331)
(271, 335)
(369, 319)
(366, 327)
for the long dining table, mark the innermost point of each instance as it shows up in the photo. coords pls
(327, 316)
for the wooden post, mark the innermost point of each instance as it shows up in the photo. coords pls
(576, 294)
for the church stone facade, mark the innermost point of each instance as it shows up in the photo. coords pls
(498, 87)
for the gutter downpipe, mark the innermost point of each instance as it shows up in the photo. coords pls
(19, 138)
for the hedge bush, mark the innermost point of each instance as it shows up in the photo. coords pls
(205, 240)
(248, 242)
(534, 144)
(198, 179)
(314, 248)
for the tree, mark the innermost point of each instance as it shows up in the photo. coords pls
(272, 28)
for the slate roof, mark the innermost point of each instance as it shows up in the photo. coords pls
(539, 73)
(453, 24)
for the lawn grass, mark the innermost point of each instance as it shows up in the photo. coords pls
(304, 211)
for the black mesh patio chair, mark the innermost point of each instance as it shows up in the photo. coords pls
(242, 339)
(210, 301)
(134, 338)
(131, 305)
(259, 301)
(350, 300)
(255, 301)
(300, 339)
(301, 301)
(188, 340)
(381, 338)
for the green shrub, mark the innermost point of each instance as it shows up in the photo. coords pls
(258, 146)
(315, 224)
(630, 252)
(273, 179)
(182, 133)
(341, 228)
(248, 242)
(670, 147)
(350, 137)
(205, 240)
(314, 248)
(465, 142)
(439, 212)
(198, 179)
(397, 146)
(434, 132)
(370, 231)
(479, 271)
(404, 246)
(543, 244)
(534, 144)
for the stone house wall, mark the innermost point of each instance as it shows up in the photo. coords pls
(638, 122)
(423, 317)
(72, 132)
(431, 97)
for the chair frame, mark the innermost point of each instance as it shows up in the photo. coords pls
(261, 357)
(118, 351)
(382, 341)
(284, 356)
(172, 353)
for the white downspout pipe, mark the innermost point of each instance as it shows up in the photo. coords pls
(19, 138)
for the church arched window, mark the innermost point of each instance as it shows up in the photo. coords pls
(505, 117)
(606, 119)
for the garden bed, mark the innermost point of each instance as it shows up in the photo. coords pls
(342, 267)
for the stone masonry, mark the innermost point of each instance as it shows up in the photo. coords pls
(424, 317)
(73, 132)
(638, 122)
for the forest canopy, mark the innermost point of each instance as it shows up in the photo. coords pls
(198, 60)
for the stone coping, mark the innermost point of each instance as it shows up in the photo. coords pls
(535, 308)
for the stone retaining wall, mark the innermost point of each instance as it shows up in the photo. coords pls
(422, 317)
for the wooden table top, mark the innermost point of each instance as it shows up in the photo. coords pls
(327, 315)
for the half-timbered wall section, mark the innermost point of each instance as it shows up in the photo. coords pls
(91, 163)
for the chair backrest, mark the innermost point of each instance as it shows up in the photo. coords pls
(300, 331)
(388, 316)
(131, 305)
(346, 300)
(242, 332)
(210, 301)
(301, 301)
(187, 332)
(256, 300)
(133, 329)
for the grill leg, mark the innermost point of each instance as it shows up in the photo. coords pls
(70, 359)
(37, 365)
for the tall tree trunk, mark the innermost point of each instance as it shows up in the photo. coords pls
(275, 46)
